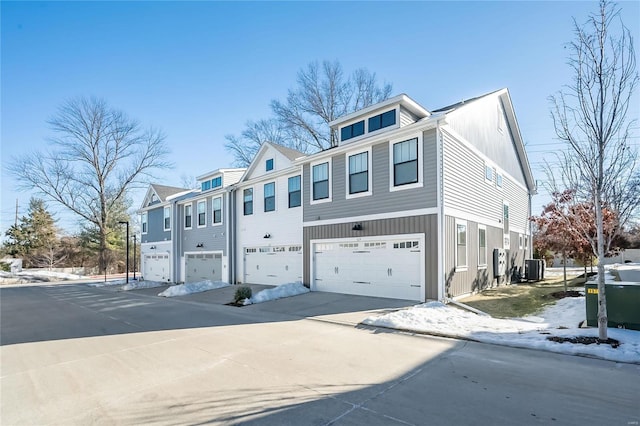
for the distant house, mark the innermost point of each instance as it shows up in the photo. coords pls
(157, 232)
(411, 204)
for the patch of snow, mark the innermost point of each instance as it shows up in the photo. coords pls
(47, 274)
(135, 285)
(107, 283)
(189, 288)
(283, 290)
(437, 318)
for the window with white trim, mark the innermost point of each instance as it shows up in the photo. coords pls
(461, 245)
(482, 246)
(405, 162)
(248, 201)
(499, 180)
(216, 182)
(352, 130)
(294, 191)
(381, 121)
(167, 218)
(187, 216)
(269, 165)
(202, 213)
(144, 220)
(269, 196)
(320, 180)
(216, 210)
(359, 173)
(488, 173)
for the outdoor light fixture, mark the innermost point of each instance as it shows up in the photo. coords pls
(267, 235)
(199, 245)
(357, 227)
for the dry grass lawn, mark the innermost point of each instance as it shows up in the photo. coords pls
(518, 300)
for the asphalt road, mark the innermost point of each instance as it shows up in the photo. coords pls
(72, 354)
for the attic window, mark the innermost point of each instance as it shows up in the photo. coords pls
(154, 198)
(269, 164)
(206, 185)
(383, 120)
(352, 130)
(216, 182)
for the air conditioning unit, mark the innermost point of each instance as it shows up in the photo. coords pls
(534, 269)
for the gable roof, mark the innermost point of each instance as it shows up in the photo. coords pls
(290, 153)
(504, 95)
(163, 191)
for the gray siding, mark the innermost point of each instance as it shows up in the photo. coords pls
(382, 200)
(155, 227)
(427, 224)
(213, 238)
(407, 117)
(475, 279)
(478, 124)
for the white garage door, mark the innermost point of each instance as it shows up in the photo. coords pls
(203, 266)
(382, 268)
(156, 267)
(273, 265)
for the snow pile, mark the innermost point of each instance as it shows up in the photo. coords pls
(107, 283)
(439, 319)
(283, 290)
(189, 288)
(36, 273)
(136, 285)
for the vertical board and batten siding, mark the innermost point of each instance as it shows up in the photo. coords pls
(155, 227)
(382, 200)
(477, 122)
(407, 117)
(473, 279)
(212, 237)
(427, 224)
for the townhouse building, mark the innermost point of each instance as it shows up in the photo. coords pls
(411, 204)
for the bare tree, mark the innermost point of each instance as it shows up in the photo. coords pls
(96, 156)
(590, 116)
(323, 94)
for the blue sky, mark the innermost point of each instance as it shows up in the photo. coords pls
(200, 70)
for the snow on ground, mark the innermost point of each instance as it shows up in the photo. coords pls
(47, 274)
(135, 285)
(283, 290)
(189, 288)
(107, 283)
(437, 318)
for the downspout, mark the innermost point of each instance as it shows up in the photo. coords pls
(231, 235)
(440, 201)
(175, 242)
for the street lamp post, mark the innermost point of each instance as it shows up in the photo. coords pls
(126, 223)
(135, 259)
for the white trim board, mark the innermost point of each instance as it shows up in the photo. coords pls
(379, 216)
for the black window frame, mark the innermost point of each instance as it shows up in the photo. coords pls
(247, 203)
(216, 213)
(270, 201)
(295, 196)
(202, 215)
(377, 122)
(352, 131)
(188, 217)
(352, 175)
(396, 164)
(320, 183)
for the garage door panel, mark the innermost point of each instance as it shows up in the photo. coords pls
(382, 268)
(156, 267)
(203, 266)
(273, 265)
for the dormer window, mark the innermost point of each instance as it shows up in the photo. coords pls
(352, 130)
(206, 185)
(383, 120)
(216, 182)
(269, 164)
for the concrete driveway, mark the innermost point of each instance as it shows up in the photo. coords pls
(79, 355)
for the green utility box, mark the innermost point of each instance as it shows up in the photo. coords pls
(623, 305)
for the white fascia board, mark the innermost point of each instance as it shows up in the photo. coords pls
(219, 172)
(379, 216)
(401, 99)
(267, 177)
(426, 123)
